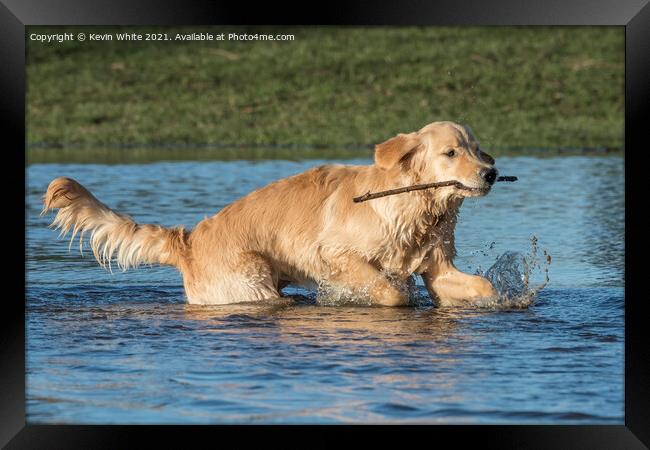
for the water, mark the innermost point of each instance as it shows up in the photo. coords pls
(126, 348)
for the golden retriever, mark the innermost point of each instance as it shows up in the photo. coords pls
(305, 229)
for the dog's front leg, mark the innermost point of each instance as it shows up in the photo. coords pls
(451, 287)
(354, 273)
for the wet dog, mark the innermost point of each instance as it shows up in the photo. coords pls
(306, 230)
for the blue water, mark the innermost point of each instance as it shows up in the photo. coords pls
(125, 347)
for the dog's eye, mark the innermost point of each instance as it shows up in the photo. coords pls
(451, 153)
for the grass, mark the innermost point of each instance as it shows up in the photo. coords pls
(139, 155)
(541, 87)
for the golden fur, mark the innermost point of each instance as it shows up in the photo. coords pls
(306, 229)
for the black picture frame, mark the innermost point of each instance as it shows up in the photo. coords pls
(634, 15)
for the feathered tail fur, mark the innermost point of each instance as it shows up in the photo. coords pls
(113, 235)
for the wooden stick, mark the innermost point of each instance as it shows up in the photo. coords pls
(417, 187)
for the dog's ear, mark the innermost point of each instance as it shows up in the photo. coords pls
(395, 150)
(486, 157)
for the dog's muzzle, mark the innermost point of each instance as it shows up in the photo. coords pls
(489, 175)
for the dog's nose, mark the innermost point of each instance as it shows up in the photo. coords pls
(489, 175)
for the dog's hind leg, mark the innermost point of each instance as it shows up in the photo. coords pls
(247, 278)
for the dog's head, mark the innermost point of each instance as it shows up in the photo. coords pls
(441, 151)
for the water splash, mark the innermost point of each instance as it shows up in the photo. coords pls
(512, 276)
(328, 295)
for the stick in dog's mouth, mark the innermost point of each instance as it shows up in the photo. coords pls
(417, 187)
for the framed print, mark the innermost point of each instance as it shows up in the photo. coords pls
(413, 214)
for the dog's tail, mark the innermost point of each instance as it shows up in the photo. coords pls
(112, 234)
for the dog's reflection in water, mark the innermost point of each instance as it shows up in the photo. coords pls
(300, 318)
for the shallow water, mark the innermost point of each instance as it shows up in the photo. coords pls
(125, 348)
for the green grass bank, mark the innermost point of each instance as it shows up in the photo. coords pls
(517, 87)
